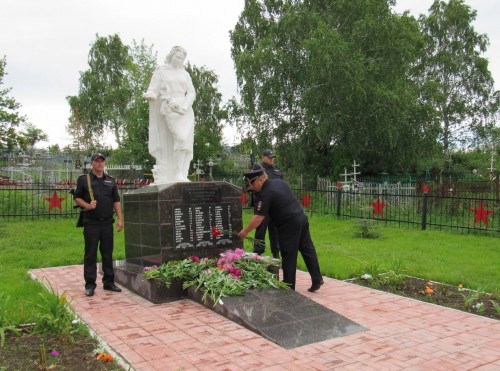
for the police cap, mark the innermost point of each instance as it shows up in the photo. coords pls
(95, 156)
(268, 153)
(256, 171)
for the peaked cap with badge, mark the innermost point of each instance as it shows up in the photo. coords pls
(256, 171)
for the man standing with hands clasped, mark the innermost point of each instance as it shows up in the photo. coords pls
(275, 199)
(97, 194)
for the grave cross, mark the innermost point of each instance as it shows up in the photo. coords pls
(354, 165)
(491, 169)
(345, 175)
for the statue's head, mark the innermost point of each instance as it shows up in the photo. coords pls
(174, 51)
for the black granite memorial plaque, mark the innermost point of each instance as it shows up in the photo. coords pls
(202, 226)
(174, 221)
(183, 225)
(196, 195)
(223, 224)
(202, 215)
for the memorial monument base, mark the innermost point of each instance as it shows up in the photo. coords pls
(175, 221)
(129, 275)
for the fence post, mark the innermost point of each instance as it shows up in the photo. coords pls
(498, 186)
(339, 198)
(424, 206)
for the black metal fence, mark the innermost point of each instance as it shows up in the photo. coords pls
(424, 209)
(38, 201)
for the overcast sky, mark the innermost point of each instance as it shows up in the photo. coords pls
(47, 43)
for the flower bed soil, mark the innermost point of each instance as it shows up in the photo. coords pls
(24, 352)
(442, 294)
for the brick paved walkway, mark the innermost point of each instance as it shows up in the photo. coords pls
(403, 334)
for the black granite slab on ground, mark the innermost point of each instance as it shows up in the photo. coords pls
(284, 317)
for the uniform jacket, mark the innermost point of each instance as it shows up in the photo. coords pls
(105, 193)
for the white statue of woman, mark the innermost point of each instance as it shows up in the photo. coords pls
(171, 119)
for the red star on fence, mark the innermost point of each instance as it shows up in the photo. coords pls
(378, 207)
(481, 214)
(55, 201)
(306, 200)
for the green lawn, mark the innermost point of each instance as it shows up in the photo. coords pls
(440, 256)
(434, 255)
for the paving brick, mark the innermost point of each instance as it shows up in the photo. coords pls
(402, 334)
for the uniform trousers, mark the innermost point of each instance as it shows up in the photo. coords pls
(294, 236)
(260, 234)
(98, 236)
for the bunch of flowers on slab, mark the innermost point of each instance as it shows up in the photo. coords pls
(232, 274)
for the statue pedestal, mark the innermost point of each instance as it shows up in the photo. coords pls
(172, 222)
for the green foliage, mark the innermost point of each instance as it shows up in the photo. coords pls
(366, 228)
(43, 356)
(5, 321)
(328, 83)
(440, 256)
(33, 135)
(209, 113)
(474, 164)
(391, 279)
(53, 314)
(104, 91)
(36, 244)
(496, 306)
(378, 276)
(475, 297)
(331, 82)
(177, 269)
(10, 118)
(136, 125)
(215, 285)
(454, 75)
(395, 276)
(372, 268)
(397, 265)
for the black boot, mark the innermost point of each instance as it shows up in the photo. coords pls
(315, 286)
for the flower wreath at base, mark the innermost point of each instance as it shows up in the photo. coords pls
(232, 274)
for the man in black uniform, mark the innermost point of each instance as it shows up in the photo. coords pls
(98, 204)
(275, 199)
(273, 172)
